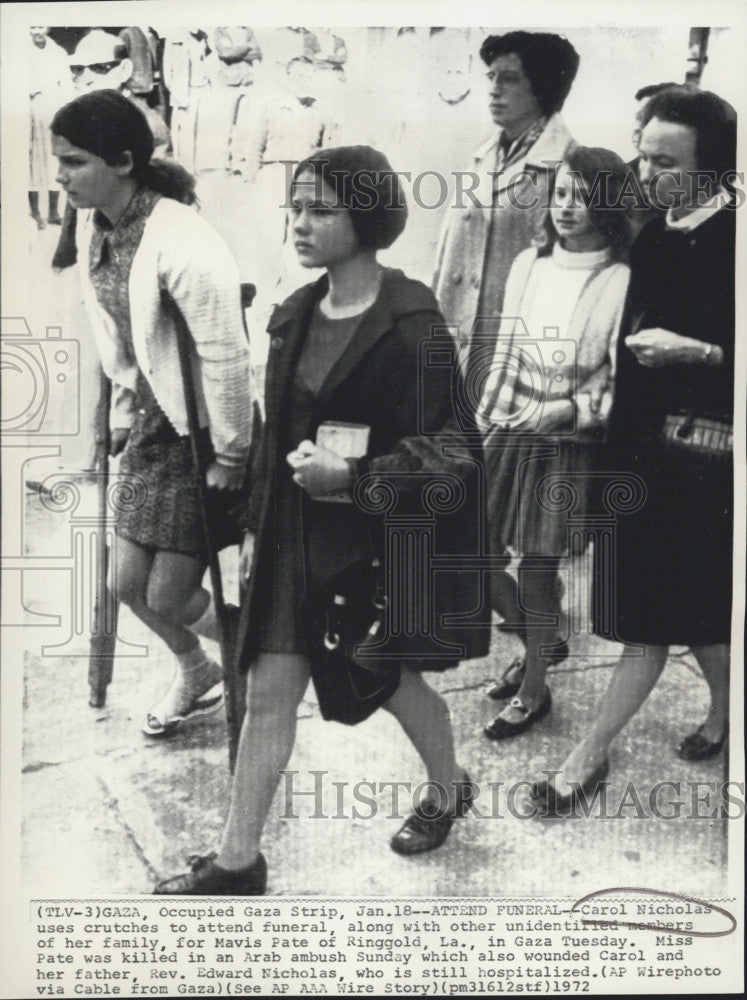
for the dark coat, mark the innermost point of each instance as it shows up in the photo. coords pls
(671, 576)
(424, 459)
(681, 281)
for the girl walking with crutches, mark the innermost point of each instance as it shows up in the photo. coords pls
(142, 239)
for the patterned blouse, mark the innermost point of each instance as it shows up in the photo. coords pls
(110, 259)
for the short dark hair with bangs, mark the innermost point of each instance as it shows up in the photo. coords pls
(549, 61)
(714, 121)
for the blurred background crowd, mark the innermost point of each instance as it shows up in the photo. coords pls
(234, 104)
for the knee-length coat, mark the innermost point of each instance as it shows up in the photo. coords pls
(670, 582)
(399, 376)
(484, 232)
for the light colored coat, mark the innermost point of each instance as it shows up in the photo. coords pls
(461, 259)
(181, 253)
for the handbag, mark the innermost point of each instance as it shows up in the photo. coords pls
(707, 438)
(340, 618)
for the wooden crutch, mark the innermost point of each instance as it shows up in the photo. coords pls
(226, 627)
(106, 607)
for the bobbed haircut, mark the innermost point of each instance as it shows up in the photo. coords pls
(714, 121)
(550, 63)
(365, 184)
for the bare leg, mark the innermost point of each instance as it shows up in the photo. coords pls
(426, 720)
(196, 606)
(631, 683)
(539, 593)
(275, 685)
(505, 598)
(158, 589)
(34, 206)
(714, 662)
(164, 591)
(54, 214)
(505, 595)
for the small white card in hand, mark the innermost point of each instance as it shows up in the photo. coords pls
(345, 440)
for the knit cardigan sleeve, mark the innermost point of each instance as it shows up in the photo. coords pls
(516, 283)
(609, 310)
(196, 268)
(183, 255)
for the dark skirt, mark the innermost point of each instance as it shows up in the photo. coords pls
(534, 485)
(667, 578)
(158, 504)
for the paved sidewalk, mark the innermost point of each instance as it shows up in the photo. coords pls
(107, 811)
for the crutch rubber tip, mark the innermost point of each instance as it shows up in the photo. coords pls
(97, 696)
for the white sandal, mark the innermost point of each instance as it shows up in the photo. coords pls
(164, 718)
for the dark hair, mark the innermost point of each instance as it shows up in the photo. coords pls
(367, 186)
(550, 62)
(653, 88)
(714, 121)
(604, 176)
(107, 124)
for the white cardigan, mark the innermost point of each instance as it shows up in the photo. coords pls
(594, 326)
(181, 253)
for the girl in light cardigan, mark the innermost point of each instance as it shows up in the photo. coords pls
(141, 241)
(544, 404)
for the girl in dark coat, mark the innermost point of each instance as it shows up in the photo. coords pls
(354, 348)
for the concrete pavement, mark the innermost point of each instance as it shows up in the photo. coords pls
(106, 811)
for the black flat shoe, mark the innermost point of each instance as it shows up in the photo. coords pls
(510, 680)
(696, 747)
(423, 831)
(209, 879)
(506, 687)
(502, 729)
(544, 793)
